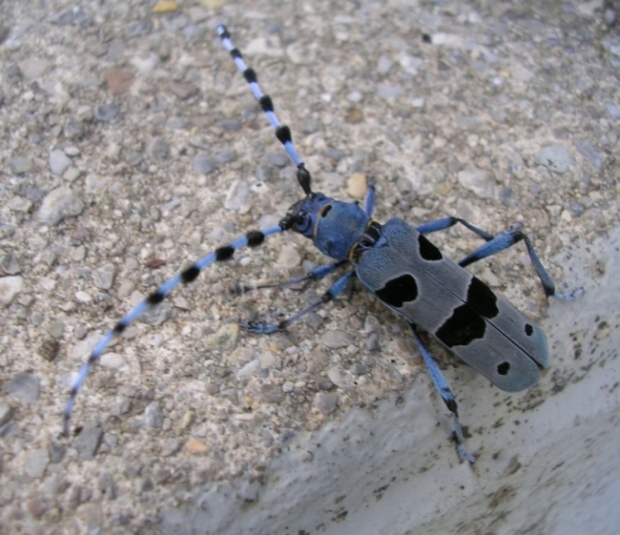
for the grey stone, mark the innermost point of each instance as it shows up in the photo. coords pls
(159, 150)
(389, 91)
(271, 393)
(153, 416)
(326, 402)
(236, 195)
(337, 339)
(74, 130)
(556, 158)
(203, 164)
(56, 330)
(226, 156)
(58, 205)
(103, 277)
(87, 442)
(576, 209)
(613, 110)
(6, 413)
(279, 159)
(384, 64)
(33, 68)
(20, 165)
(36, 463)
(232, 125)
(586, 149)
(57, 452)
(106, 113)
(183, 91)
(358, 369)
(59, 162)
(24, 386)
(9, 288)
(263, 173)
(478, 181)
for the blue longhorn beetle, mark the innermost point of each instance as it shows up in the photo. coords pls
(401, 267)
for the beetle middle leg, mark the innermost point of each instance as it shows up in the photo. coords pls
(336, 289)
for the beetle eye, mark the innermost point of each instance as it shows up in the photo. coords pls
(302, 222)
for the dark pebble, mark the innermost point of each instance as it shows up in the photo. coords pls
(24, 386)
(106, 113)
(279, 159)
(159, 150)
(87, 442)
(204, 164)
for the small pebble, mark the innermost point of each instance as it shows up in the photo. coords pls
(203, 164)
(389, 91)
(356, 185)
(279, 159)
(113, 361)
(153, 416)
(288, 258)
(20, 165)
(170, 446)
(36, 463)
(479, 182)
(226, 156)
(59, 162)
(271, 393)
(24, 386)
(59, 204)
(225, 339)
(236, 195)
(56, 329)
(33, 68)
(6, 413)
(103, 277)
(337, 339)
(87, 442)
(183, 91)
(193, 445)
(555, 158)
(159, 150)
(106, 113)
(384, 64)
(56, 452)
(586, 149)
(326, 402)
(9, 288)
(118, 79)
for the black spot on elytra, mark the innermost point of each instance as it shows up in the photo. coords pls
(482, 299)
(326, 210)
(399, 291)
(428, 251)
(462, 328)
(503, 368)
(529, 330)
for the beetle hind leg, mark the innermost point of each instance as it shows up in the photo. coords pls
(446, 395)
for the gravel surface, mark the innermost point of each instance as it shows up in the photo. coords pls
(130, 146)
